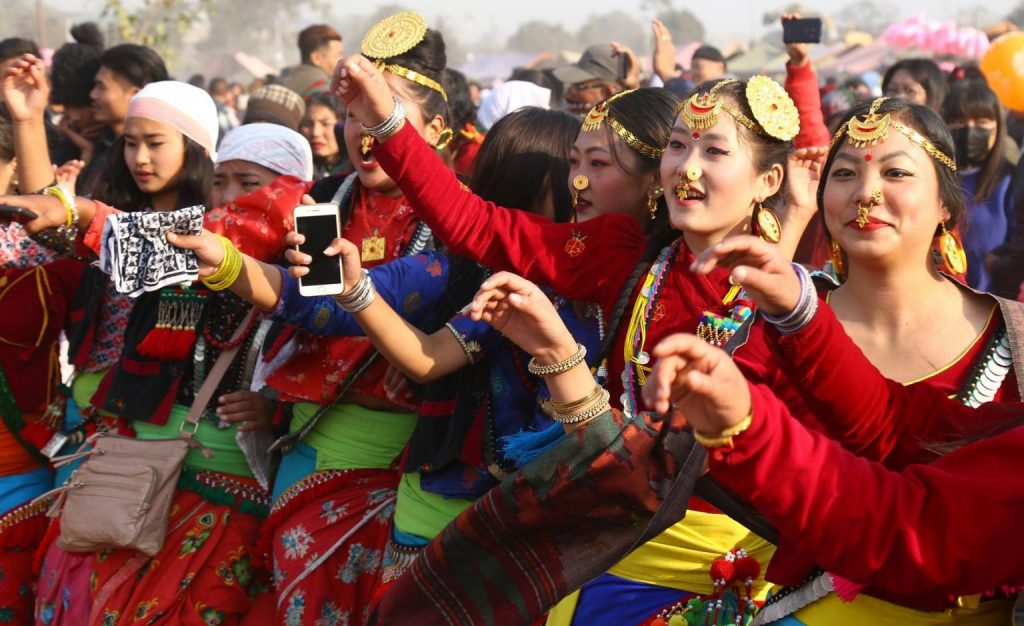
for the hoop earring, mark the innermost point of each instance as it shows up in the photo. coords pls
(652, 201)
(953, 255)
(836, 254)
(768, 226)
(444, 139)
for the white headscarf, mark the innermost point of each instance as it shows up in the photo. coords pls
(184, 107)
(511, 96)
(273, 146)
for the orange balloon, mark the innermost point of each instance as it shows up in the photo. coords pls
(1003, 67)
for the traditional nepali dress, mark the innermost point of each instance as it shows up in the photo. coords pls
(35, 301)
(334, 493)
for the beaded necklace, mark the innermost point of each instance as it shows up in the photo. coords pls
(635, 369)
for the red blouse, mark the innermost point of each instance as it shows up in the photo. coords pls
(589, 261)
(321, 364)
(951, 527)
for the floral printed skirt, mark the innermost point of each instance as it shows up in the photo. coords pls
(329, 531)
(204, 575)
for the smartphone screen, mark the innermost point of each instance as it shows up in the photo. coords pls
(806, 30)
(319, 231)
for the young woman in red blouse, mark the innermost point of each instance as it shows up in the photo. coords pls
(722, 172)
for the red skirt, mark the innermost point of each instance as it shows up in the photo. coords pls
(329, 531)
(205, 573)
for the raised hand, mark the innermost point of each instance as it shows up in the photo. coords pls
(632, 78)
(700, 380)
(67, 174)
(524, 314)
(766, 275)
(664, 57)
(803, 175)
(797, 51)
(25, 89)
(351, 260)
(362, 87)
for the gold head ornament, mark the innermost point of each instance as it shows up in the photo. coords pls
(396, 35)
(601, 114)
(775, 115)
(873, 128)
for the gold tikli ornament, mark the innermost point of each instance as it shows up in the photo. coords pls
(395, 35)
(873, 128)
(775, 114)
(579, 184)
(601, 114)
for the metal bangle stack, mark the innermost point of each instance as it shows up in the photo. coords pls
(803, 312)
(389, 126)
(359, 297)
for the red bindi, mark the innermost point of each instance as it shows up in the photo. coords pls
(696, 135)
(867, 157)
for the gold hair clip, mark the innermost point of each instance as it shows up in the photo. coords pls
(873, 128)
(775, 114)
(600, 113)
(395, 35)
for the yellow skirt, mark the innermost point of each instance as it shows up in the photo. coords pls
(831, 611)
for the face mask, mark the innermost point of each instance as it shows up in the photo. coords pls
(971, 145)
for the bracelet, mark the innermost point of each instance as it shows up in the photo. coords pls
(805, 309)
(596, 409)
(65, 198)
(228, 271)
(359, 297)
(576, 405)
(560, 367)
(724, 438)
(391, 125)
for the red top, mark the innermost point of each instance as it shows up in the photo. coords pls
(588, 262)
(871, 416)
(802, 86)
(952, 526)
(322, 363)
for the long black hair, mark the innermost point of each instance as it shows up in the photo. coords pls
(118, 189)
(525, 154)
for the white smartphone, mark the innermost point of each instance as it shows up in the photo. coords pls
(318, 223)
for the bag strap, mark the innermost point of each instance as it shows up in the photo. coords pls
(205, 393)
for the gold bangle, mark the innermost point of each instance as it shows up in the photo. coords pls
(69, 205)
(724, 438)
(229, 269)
(600, 406)
(569, 407)
(558, 368)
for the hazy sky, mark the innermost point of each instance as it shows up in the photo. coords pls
(474, 20)
(724, 20)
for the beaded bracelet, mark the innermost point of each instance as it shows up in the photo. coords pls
(805, 309)
(725, 437)
(561, 366)
(390, 125)
(361, 296)
(597, 408)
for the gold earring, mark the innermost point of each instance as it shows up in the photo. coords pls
(768, 225)
(444, 139)
(836, 254)
(953, 255)
(652, 201)
(579, 183)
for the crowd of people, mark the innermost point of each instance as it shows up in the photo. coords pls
(610, 348)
